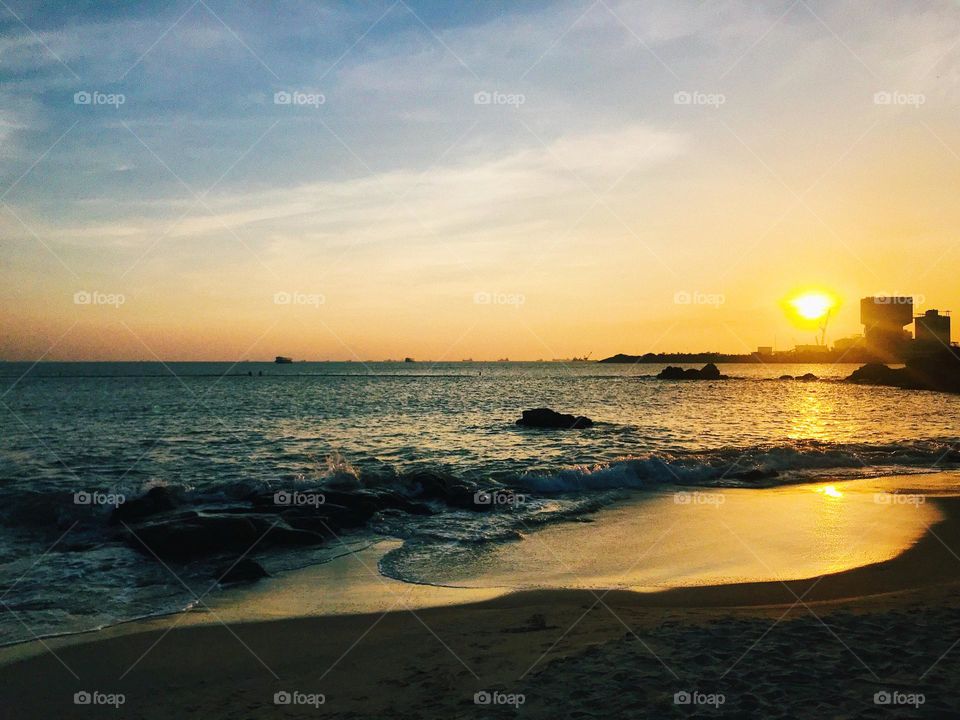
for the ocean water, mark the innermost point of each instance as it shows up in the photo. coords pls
(220, 431)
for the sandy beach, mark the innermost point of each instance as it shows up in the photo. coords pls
(836, 645)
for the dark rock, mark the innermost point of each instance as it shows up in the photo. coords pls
(707, 372)
(671, 373)
(710, 372)
(807, 377)
(786, 377)
(193, 535)
(245, 571)
(876, 374)
(156, 500)
(547, 418)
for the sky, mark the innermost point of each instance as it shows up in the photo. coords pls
(213, 180)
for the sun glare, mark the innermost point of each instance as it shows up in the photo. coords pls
(812, 305)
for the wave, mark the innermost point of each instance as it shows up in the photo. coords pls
(756, 466)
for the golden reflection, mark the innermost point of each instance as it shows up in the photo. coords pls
(810, 415)
(829, 491)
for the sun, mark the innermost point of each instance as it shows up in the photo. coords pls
(813, 305)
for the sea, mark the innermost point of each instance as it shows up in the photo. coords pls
(81, 438)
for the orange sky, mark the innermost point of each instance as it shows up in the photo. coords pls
(601, 214)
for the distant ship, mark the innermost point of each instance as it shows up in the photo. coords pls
(281, 360)
(409, 360)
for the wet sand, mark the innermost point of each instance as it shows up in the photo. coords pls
(826, 646)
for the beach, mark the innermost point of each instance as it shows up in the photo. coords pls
(871, 640)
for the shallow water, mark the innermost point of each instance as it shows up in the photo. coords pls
(221, 430)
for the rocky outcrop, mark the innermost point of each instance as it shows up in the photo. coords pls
(940, 371)
(707, 372)
(551, 419)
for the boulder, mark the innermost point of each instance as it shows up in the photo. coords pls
(671, 373)
(807, 377)
(786, 377)
(876, 374)
(707, 372)
(710, 372)
(245, 571)
(547, 418)
(188, 536)
(156, 500)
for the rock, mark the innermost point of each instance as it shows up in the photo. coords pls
(547, 418)
(875, 374)
(192, 535)
(707, 372)
(671, 373)
(786, 377)
(245, 571)
(807, 377)
(156, 500)
(710, 372)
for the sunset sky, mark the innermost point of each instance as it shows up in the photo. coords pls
(452, 180)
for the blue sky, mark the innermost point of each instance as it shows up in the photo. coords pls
(588, 188)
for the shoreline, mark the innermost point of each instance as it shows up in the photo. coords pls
(429, 661)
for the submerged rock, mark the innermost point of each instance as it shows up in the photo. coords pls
(807, 377)
(547, 418)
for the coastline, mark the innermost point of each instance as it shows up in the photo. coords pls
(431, 661)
